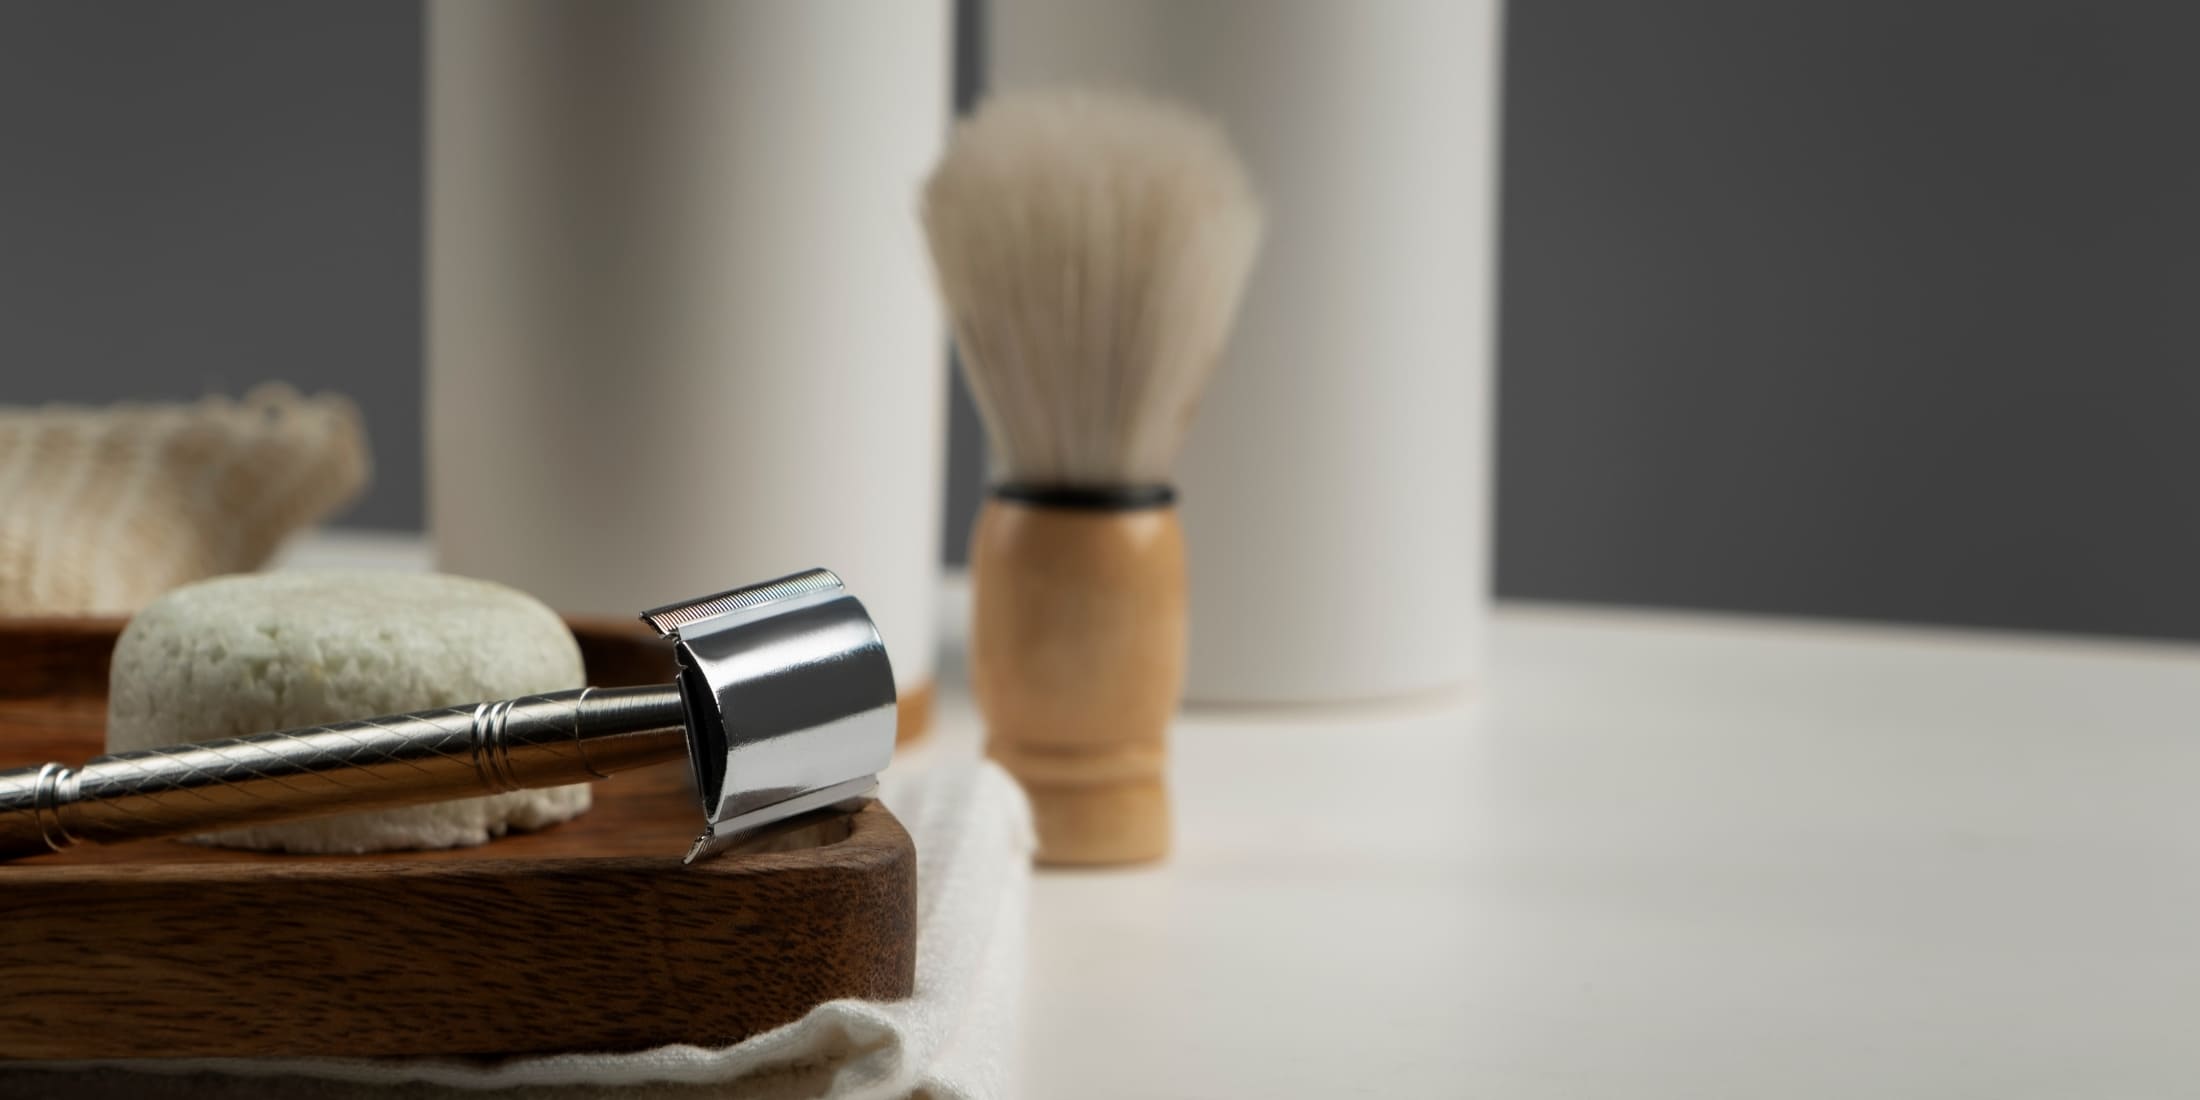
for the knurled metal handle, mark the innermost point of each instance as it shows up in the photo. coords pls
(486, 748)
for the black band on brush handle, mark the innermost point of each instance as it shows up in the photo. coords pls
(1094, 498)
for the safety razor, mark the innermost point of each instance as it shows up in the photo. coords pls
(782, 703)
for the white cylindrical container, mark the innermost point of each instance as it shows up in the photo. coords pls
(681, 328)
(1335, 487)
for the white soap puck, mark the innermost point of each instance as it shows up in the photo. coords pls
(245, 654)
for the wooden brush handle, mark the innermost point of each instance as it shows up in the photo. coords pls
(1077, 660)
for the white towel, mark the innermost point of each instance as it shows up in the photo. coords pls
(952, 1039)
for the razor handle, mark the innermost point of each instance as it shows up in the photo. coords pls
(427, 756)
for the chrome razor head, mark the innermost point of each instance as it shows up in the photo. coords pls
(789, 697)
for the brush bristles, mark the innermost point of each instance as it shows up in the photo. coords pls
(1092, 249)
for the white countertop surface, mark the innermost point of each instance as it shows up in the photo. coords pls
(1666, 856)
(1662, 856)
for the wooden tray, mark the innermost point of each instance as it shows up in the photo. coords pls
(586, 936)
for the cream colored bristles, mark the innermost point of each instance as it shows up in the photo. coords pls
(1092, 248)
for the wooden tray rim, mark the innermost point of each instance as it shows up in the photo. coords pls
(873, 840)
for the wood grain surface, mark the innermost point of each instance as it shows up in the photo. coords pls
(913, 714)
(586, 936)
(1077, 661)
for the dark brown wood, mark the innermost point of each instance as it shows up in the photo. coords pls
(622, 652)
(587, 936)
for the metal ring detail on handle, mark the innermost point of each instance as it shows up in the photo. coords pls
(46, 802)
(492, 752)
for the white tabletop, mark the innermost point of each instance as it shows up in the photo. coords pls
(1666, 856)
(1663, 856)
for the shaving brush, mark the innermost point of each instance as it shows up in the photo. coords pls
(1092, 250)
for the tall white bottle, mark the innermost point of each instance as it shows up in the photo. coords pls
(681, 329)
(1335, 487)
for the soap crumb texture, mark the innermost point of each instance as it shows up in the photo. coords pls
(245, 654)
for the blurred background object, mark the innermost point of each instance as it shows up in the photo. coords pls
(681, 330)
(1867, 310)
(106, 508)
(1336, 482)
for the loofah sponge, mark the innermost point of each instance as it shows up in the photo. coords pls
(240, 655)
(103, 509)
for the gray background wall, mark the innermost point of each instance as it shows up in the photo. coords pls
(1868, 309)
(1877, 308)
(197, 197)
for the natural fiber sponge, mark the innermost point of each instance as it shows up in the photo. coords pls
(245, 654)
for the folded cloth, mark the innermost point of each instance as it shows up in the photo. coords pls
(950, 1040)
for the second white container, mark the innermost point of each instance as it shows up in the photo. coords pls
(1335, 488)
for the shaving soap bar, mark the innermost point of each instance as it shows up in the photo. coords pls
(244, 654)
